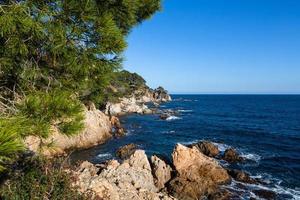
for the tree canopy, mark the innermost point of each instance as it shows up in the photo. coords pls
(61, 52)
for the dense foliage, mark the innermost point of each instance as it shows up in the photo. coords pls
(56, 55)
(37, 178)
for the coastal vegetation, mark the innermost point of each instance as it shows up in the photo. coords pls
(56, 56)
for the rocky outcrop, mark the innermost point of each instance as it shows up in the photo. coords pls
(126, 151)
(231, 155)
(161, 172)
(161, 95)
(193, 176)
(97, 130)
(131, 179)
(197, 174)
(136, 102)
(117, 130)
(207, 148)
(127, 105)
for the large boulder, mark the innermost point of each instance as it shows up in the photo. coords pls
(241, 176)
(161, 171)
(197, 174)
(126, 151)
(118, 130)
(231, 156)
(131, 179)
(207, 148)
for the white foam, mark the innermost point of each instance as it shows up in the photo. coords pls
(221, 146)
(251, 156)
(192, 142)
(185, 111)
(104, 155)
(172, 118)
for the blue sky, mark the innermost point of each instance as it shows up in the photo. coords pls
(219, 46)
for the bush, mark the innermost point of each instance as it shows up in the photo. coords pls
(39, 178)
(41, 110)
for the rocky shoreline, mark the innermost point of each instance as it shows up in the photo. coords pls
(100, 126)
(193, 174)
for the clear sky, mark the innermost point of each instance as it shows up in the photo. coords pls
(219, 46)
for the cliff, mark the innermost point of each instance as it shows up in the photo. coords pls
(97, 130)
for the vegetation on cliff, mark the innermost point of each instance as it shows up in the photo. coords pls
(56, 55)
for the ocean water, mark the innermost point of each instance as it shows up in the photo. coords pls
(265, 129)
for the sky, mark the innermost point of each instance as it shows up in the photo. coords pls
(219, 47)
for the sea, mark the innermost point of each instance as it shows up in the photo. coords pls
(264, 129)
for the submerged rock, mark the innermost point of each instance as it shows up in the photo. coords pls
(241, 176)
(164, 116)
(265, 194)
(231, 155)
(161, 172)
(197, 174)
(222, 194)
(126, 151)
(207, 148)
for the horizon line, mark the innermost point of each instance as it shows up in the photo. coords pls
(176, 93)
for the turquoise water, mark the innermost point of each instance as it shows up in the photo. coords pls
(263, 128)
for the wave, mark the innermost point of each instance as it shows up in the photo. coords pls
(251, 156)
(185, 111)
(104, 155)
(172, 118)
(221, 146)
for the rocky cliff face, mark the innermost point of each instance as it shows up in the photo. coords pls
(136, 102)
(97, 130)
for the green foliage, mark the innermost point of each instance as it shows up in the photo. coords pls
(45, 109)
(67, 44)
(9, 142)
(49, 48)
(39, 179)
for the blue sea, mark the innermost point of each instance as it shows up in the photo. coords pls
(265, 129)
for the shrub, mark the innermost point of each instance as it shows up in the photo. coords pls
(39, 178)
(41, 110)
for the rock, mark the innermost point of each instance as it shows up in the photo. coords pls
(164, 116)
(161, 172)
(126, 151)
(131, 179)
(118, 130)
(197, 174)
(97, 130)
(161, 95)
(231, 155)
(241, 176)
(126, 105)
(265, 194)
(207, 148)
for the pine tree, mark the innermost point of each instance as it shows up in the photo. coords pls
(54, 53)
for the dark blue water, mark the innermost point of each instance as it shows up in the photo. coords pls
(263, 128)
